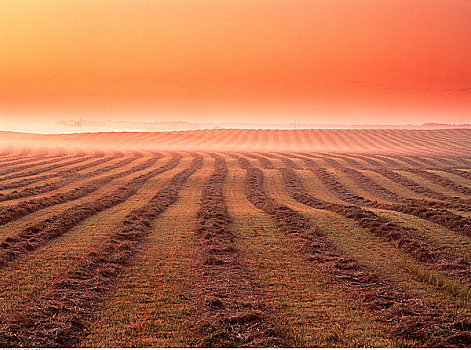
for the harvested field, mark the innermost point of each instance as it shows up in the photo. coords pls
(355, 242)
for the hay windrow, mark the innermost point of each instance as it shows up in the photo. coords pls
(408, 317)
(56, 165)
(57, 317)
(28, 180)
(33, 237)
(432, 211)
(230, 307)
(55, 185)
(402, 237)
(12, 212)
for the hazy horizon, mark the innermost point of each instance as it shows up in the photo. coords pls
(70, 126)
(320, 62)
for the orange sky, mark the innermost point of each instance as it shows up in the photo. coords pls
(345, 61)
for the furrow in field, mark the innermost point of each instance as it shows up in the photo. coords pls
(313, 311)
(264, 161)
(231, 310)
(408, 316)
(401, 237)
(38, 270)
(14, 211)
(41, 233)
(41, 169)
(35, 162)
(53, 174)
(419, 188)
(442, 181)
(55, 185)
(58, 315)
(145, 309)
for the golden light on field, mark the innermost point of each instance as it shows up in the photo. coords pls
(303, 181)
(332, 60)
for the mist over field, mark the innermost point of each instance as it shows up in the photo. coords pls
(261, 174)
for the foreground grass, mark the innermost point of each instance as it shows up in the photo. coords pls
(35, 272)
(150, 305)
(315, 313)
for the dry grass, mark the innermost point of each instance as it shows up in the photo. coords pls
(152, 302)
(35, 272)
(387, 260)
(150, 305)
(315, 313)
(430, 184)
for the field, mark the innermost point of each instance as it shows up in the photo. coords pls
(314, 238)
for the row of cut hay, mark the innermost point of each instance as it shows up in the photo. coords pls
(414, 186)
(264, 161)
(36, 161)
(57, 317)
(389, 161)
(370, 185)
(286, 161)
(442, 181)
(44, 266)
(402, 237)
(409, 317)
(12, 212)
(425, 209)
(15, 157)
(8, 171)
(325, 140)
(41, 233)
(152, 299)
(231, 308)
(15, 160)
(313, 311)
(38, 168)
(66, 180)
(53, 174)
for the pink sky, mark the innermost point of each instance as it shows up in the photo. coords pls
(349, 61)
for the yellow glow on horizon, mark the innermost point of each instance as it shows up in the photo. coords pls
(113, 55)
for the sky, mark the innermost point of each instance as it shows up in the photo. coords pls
(325, 61)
